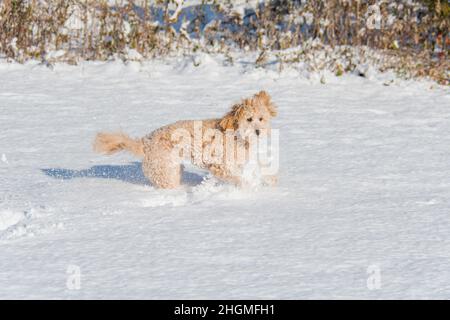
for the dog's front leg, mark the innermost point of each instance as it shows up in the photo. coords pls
(226, 175)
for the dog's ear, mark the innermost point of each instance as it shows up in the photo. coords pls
(231, 119)
(264, 98)
(227, 122)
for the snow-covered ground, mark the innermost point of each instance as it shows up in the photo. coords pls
(363, 200)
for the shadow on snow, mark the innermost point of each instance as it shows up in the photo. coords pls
(131, 173)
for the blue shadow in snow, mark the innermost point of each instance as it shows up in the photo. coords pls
(131, 173)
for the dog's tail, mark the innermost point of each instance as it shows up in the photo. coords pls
(110, 143)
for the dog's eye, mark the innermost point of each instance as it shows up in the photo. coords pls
(250, 119)
(261, 119)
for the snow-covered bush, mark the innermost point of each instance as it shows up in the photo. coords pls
(414, 33)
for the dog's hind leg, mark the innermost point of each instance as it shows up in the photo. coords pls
(162, 169)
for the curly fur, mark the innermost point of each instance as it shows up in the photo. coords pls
(160, 149)
(109, 143)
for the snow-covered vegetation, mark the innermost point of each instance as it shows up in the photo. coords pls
(409, 37)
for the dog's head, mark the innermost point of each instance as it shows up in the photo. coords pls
(251, 116)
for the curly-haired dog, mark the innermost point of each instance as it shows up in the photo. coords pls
(219, 145)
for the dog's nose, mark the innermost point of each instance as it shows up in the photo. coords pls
(257, 132)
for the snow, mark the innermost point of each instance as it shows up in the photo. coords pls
(364, 185)
(9, 218)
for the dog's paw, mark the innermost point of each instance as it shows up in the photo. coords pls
(271, 180)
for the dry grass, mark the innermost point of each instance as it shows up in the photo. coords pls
(414, 34)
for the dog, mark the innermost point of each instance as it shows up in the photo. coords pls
(222, 146)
